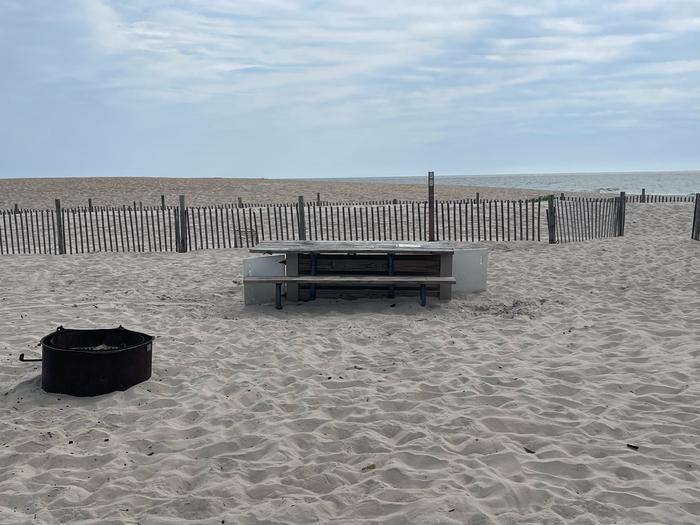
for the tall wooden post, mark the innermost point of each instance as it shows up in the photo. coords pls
(240, 202)
(621, 215)
(90, 205)
(318, 198)
(552, 220)
(162, 202)
(60, 239)
(182, 247)
(562, 197)
(431, 206)
(16, 208)
(644, 195)
(301, 218)
(696, 218)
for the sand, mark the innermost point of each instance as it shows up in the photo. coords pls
(512, 406)
(41, 193)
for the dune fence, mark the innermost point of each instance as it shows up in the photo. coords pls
(582, 219)
(647, 198)
(183, 228)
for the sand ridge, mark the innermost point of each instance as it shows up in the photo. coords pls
(40, 193)
(512, 406)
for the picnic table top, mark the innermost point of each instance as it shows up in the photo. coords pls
(368, 247)
(351, 279)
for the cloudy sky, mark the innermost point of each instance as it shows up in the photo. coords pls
(316, 88)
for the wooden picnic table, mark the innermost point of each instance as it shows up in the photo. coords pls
(362, 258)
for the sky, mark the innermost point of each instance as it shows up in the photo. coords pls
(347, 88)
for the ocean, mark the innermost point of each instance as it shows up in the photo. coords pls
(657, 182)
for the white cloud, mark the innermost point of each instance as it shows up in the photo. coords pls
(567, 26)
(652, 5)
(407, 61)
(660, 69)
(592, 49)
(105, 26)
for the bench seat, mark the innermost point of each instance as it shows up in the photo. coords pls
(389, 280)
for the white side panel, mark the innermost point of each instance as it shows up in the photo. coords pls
(469, 268)
(261, 266)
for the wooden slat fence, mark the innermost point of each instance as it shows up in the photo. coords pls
(27, 231)
(584, 219)
(112, 229)
(652, 198)
(648, 198)
(140, 228)
(463, 221)
(120, 229)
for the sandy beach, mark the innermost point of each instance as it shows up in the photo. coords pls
(110, 191)
(566, 393)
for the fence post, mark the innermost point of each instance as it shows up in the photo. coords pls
(644, 195)
(318, 198)
(621, 215)
(696, 218)
(301, 218)
(562, 197)
(431, 206)
(176, 229)
(240, 202)
(162, 202)
(182, 227)
(16, 208)
(60, 239)
(551, 220)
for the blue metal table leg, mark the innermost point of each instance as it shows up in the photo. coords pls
(278, 296)
(390, 265)
(314, 264)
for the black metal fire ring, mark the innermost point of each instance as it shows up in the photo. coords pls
(94, 362)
